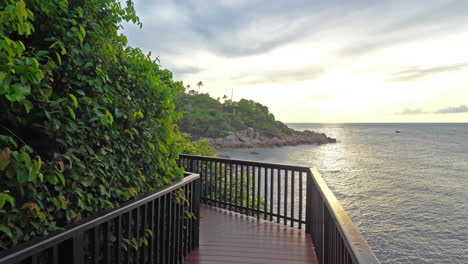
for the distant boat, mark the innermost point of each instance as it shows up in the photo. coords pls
(397, 131)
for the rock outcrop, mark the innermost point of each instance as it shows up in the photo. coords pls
(250, 138)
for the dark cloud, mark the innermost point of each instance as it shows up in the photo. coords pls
(453, 110)
(178, 71)
(232, 30)
(415, 73)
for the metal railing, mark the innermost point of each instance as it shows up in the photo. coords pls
(160, 228)
(290, 195)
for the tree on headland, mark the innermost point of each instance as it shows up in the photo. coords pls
(200, 84)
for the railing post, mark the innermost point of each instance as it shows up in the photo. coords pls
(196, 209)
(309, 182)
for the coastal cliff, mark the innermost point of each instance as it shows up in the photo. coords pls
(251, 138)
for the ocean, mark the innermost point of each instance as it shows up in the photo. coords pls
(407, 192)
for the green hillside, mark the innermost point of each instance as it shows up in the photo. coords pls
(204, 116)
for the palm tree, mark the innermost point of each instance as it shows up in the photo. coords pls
(200, 84)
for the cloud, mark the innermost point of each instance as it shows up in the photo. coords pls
(447, 110)
(415, 73)
(279, 76)
(179, 71)
(233, 28)
(453, 110)
(239, 28)
(409, 111)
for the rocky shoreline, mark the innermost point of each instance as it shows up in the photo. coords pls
(250, 138)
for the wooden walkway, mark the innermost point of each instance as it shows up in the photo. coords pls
(227, 237)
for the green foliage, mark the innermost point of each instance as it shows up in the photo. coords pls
(204, 116)
(202, 147)
(221, 183)
(86, 122)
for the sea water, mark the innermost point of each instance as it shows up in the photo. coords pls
(407, 192)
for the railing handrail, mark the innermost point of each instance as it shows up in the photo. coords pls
(37, 245)
(248, 162)
(356, 242)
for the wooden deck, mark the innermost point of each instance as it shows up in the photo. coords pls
(227, 237)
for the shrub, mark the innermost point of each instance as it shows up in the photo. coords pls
(86, 122)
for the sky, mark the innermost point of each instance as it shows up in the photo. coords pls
(324, 61)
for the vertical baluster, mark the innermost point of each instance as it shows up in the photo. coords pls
(225, 184)
(209, 189)
(137, 226)
(265, 194)
(257, 171)
(54, 254)
(286, 196)
(144, 233)
(118, 241)
(278, 209)
(309, 207)
(236, 188)
(187, 219)
(254, 192)
(241, 189)
(152, 220)
(107, 242)
(293, 178)
(170, 240)
(220, 184)
(207, 180)
(191, 220)
(157, 229)
(129, 236)
(247, 191)
(256, 188)
(176, 232)
(164, 214)
(182, 227)
(196, 211)
(216, 177)
(300, 198)
(72, 249)
(271, 192)
(95, 244)
(230, 185)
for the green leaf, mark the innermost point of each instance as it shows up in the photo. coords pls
(59, 59)
(109, 117)
(42, 53)
(75, 101)
(27, 160)
(22, 175)
(83, 32)
(4, 197)
(72, 113)
(61, 177)
(6, 230)
(63, 202)
(52, 178)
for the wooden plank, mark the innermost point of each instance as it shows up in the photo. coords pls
(227, 237)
